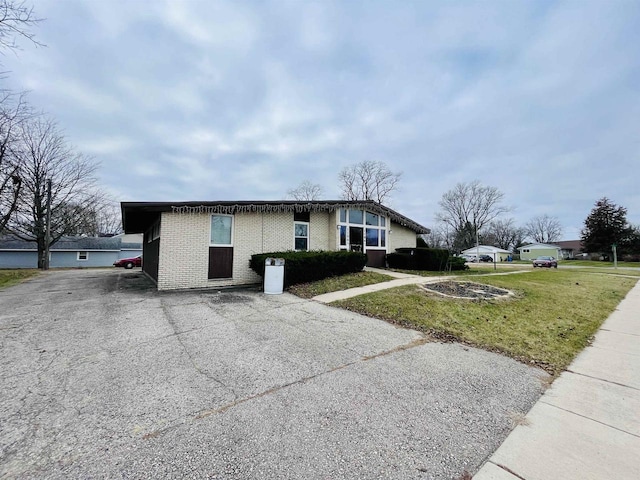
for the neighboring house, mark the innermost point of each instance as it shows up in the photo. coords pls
(130, 246)
(535, 250)
(209, 244)
(68, 252)
(571, 249)
(497, 254)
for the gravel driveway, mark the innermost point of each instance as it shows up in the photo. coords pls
(102, 376)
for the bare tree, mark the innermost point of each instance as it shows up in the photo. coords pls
(45, 155)
(544, 229)
(104, 218)
(14, 111)
(503, 234)
(469, 207)
(16, 20)
(439, 237)
(368, 180)
(306, 191)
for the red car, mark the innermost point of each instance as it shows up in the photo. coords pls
(545, 262)
(129, 262)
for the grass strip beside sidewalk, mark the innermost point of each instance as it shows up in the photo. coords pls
(334, 284)
(550, 320)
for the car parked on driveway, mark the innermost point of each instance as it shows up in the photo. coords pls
(129, 263)
(486, 258)
(545, 262)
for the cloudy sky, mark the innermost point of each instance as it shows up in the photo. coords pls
(242, 100)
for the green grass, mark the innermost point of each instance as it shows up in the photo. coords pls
(593, 263)
(12, 277)
(334, 284)
(552, 317)
(427, 273)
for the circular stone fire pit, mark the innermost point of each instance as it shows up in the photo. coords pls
(468, 290)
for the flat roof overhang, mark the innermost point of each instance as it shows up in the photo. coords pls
(138, 217)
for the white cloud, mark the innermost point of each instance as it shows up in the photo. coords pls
(244, 100)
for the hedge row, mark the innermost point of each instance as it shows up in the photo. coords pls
(302, 267)
(432, 259)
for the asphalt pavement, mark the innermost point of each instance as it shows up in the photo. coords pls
(104, 377)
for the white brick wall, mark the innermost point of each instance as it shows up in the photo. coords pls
(319, 231)
(332, 234)
(401, 237)
(184, 246)
(184, 251)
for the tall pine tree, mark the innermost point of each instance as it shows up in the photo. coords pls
(606, 225)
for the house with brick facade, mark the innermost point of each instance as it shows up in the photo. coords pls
(209, 244)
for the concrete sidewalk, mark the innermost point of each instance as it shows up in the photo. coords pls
(400, 279)
(587, 425)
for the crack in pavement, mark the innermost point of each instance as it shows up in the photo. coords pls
(171, 322)
(214, 411)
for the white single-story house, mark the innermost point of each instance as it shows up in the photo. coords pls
(209, 244)
(535, 250)
(70, 251)
(497, 254)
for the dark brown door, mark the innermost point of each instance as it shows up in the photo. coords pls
(376, 258)
(220, 262)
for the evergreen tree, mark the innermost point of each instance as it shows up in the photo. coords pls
(606, 225)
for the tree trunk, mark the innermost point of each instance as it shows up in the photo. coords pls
(41, 252)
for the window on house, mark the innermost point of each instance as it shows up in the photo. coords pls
(355, 216)
(301, 236)
(154, 232)
(301, 217)
(373, 237)
(343, 235)
(372, 219)
(83, 255)
(221, 230)
(375, 233)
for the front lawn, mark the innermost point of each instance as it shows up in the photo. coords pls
(598, 264)
(334, 284)
(12, 277)
(552, 317)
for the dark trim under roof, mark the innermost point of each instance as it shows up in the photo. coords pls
(137, 217)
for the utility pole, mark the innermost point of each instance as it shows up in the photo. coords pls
(614, 247)
(47, 233)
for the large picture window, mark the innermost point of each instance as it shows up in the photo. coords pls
(351, 229)
(221, 230)
(373, 237)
